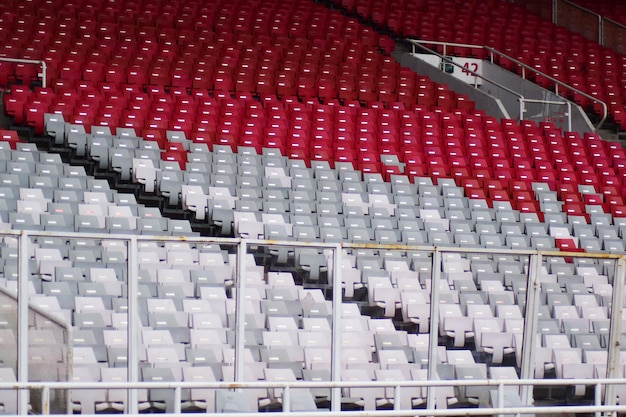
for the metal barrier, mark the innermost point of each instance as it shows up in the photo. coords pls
(42, 64)
(399, 387)
(603, 402)
(524, 70)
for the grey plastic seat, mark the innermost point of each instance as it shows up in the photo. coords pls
(57, 222)
(54, 125)
(583, 230)
(466, 239)
(306, 232)
(179, 227)
(98, 150)
(613, 245)
(25, 221)
(77, 141)
(147, 153)
(152, 226)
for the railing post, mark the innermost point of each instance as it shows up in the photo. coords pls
(133, 323)
(533, 291)
(177, 400)
(240, 313)
(500, 403)
(335, 342)
(434, 327)
(43, 74)
(555, 12)
(22, 320)
(45, 400)
(598, 398)
(613, 346)
(286, 398)
(396, 397)
(600, 30)
(569, 115)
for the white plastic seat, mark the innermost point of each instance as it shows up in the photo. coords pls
(202, 398)
(8, 398)
(367, 397)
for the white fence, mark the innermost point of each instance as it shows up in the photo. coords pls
(605, 394)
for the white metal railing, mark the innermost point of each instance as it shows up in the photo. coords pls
(41, 63)
(524, 69)
(557, 83)
(335, 253)
(400, 389)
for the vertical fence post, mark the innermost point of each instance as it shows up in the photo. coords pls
(133, 323)
(613, 346)
(600, 30)
(335, 342)
(533, 291)
(434, 327)
(43, 74)
(22, 320)
(240, 313)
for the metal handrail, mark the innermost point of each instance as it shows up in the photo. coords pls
(493, 51)
(30, 61)
(557, 82)
(415, 42)
(26, 239)
(499, 408)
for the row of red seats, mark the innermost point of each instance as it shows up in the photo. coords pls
(294, 19)
(428, 143)
(434, 126)
(102, 37)
(74, 59)
(130, 108)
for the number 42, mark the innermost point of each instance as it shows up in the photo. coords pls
(470, 68)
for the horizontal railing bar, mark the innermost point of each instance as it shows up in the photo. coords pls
(310, 384)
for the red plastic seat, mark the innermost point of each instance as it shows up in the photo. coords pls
(175, 156)
(498, 195)
(181, 124)
(34, 112)
(567, 245)
(9, 136)
(574, 209)
(527, 207)
(133, 119)
(306, 87)
(618, 210)
(14, 101)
